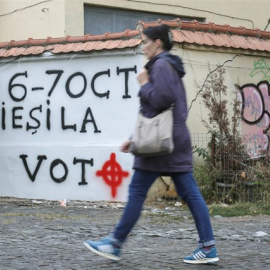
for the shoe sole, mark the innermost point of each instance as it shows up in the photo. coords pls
(106, 255)
(202, 261)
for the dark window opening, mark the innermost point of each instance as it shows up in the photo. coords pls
(99, 20)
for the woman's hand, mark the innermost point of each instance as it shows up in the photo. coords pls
(143, 77)
(125, 146)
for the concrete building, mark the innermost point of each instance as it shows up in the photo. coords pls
(23, 19)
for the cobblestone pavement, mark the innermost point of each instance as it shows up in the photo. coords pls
(43, 235)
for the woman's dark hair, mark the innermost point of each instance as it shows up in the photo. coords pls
(161, 32)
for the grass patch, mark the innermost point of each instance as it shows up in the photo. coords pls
(239, 209)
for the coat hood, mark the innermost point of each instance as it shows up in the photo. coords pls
(174, 60)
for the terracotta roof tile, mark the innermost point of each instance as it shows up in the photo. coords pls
(180, 36)
(265, 43)
(18, 51)
(198, 38)
(227, 41)
(101, 45)
(236, 42)
(10, 52)
(79, 46)
(49, 48)
(58, 48)
(130, 43)
(113, 44)
(185, 32)
(254, 44)
(2, 51)
(207, 39)
(222, 36)
(90, 46)
(38, 50)
(28, 51)
(68, 47)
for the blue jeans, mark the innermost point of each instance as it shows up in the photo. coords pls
(187, 189)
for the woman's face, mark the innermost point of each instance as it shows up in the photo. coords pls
(150, 47)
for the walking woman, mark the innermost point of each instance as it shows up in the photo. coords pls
(162, 86)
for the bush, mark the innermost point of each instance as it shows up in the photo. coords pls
(227, 174)
(249, 185)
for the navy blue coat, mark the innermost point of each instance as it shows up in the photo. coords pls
(165, 88)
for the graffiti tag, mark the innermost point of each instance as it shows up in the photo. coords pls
(256, 117)
(261, 68)
(19, 92)
(112, 174)
(55, 163)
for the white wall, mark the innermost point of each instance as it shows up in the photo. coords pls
(24, 130)
(26, 111)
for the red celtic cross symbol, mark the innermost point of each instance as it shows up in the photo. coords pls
(112, 174)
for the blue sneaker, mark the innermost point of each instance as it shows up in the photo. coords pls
(106, 247)
(201, 256)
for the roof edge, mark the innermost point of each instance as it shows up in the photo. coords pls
(191, 32)
(208, 27)
(69, 39)
(177, 23)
